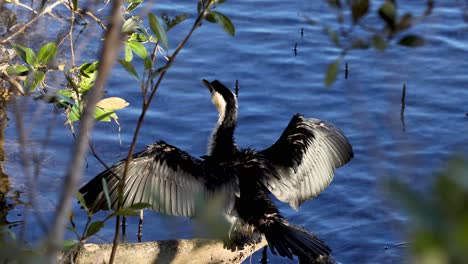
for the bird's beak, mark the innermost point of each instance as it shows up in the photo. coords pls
(208, 85)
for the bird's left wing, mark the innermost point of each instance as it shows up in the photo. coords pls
(305, 157)
(165, 177)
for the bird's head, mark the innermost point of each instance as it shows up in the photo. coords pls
(224, 100)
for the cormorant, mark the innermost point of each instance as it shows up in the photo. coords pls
(296, 168)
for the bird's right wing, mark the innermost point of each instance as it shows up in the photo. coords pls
(168, 179)
(305, 157)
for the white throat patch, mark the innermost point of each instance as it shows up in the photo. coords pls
(220, 104)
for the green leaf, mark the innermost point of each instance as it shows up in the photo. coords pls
(148, 63)
(379, 42)
(131, 24)
(140, 206)
(105, 188)
(75, 5)
(138, 48)
(81, 200)
(66, 93)
(334, 3)
(26, 54)
(388, 13)
(138, 37)
(128, 53)
(223, 21)
(158, 30)
(64, 96)
(94, 228)
(333, 36)
(102, 115)
(332, 72)
(132, 5)
(411, 41)
(88, 74)
(17, 70)
(129, 68)
(34, 79)
(170, 23)
(406, 21)
(359, 8)
(75, 114)
(47, 53)
(69, 244)
(87, 69)
(127, 212)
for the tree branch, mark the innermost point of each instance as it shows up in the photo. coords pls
(109, 53)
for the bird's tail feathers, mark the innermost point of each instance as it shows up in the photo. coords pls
(288, 240)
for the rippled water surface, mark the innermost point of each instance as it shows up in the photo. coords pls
(352, 215)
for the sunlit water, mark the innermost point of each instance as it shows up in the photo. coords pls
(359, 222)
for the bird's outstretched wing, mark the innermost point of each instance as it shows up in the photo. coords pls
(306, 156)
(168, 179)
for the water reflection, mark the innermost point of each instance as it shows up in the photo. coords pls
(5, 186)
(7, 201)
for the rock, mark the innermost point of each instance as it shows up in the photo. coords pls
(167, 251)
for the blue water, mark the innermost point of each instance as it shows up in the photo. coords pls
(354, 215)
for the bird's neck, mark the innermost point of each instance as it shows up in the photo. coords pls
(222, 145)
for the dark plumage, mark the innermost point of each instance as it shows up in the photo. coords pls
(296, 168)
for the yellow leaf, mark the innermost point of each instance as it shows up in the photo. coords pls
(112, 103)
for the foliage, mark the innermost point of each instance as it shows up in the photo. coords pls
(346, 37)
(438, 227)
(144, 37)
(32, 73)
(35, 66)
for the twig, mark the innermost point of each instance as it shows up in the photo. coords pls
(46, 10)
(124, 228)
(140, 226)
(144, 88)
(96, 156)
(403, 96)
(402, 111)
(346, 71)
(90, 14)
(26, 7)
(70, 36)
(109, 53)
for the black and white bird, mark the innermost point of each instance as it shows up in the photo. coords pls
(296, 168)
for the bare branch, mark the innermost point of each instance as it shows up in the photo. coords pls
(108, 55)
(46, 10)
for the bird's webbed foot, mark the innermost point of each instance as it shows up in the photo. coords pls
(238, 239)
